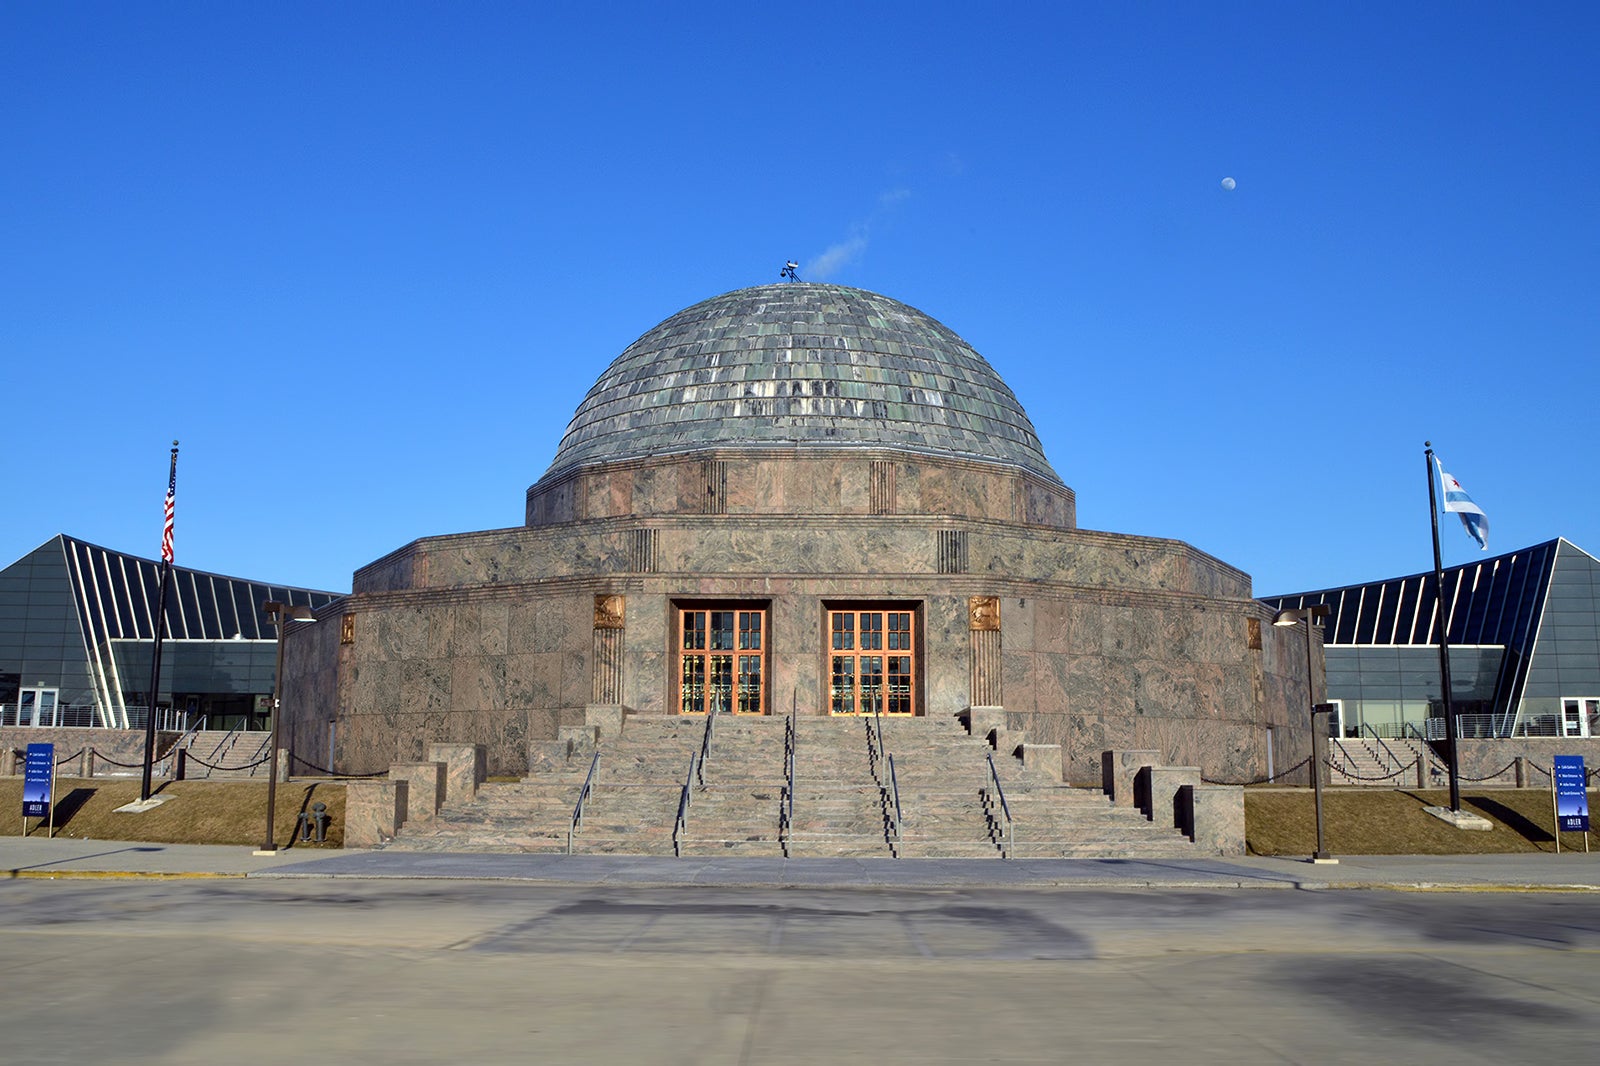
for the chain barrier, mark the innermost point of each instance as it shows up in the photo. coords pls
(112, 762)
(330, 771)
(68, 758)
(1588, 774)
(214, 766)
(1491, 777)
(1261, 780)
(1352, 775)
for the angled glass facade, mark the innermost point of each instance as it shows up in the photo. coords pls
(77, 627)
(1524, 635)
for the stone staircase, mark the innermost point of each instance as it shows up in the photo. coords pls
(839, 808)
(223, 754)
(1365, 761)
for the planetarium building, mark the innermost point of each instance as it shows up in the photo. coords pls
(808, 498)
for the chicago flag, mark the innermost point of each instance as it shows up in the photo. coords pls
(1456, 500)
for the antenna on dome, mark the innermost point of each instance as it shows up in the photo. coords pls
(790, 271)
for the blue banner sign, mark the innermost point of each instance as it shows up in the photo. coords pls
(1572, 795)
(38, 776)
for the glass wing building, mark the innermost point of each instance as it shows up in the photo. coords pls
(77, 626)
(1524, 636)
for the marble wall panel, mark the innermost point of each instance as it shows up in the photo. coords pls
(311, 685)
(577, 679)
(908, 488)
(363, 744)
(1165, 689)
(505, 737)
(425, 691)
(1050, 688)
(855, 488)
(1018, 621)
(402, 634)
(462, 633)
(768, 488)
(1098, 686)
(494, 622)
(533, 680)
(1051, 629)
(478, 683)
(374, 685)
(440, 633)
(542, 723)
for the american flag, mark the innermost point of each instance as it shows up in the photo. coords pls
(166, 529)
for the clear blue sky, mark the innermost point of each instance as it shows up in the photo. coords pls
(364, 260)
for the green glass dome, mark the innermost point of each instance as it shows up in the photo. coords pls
(801, 365)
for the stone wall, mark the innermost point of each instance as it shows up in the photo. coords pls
(806, 482)
(1487, 759)
(1104, 641)
(114, 745)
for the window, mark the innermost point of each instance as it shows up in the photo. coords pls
(721, 660)
(872, 661)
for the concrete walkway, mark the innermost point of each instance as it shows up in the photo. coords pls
(62, 857)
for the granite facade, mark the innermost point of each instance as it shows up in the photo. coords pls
(1104, 641)
(799, 448)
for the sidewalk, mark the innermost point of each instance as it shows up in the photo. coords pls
(44, 858)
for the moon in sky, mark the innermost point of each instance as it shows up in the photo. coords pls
(1228, 183)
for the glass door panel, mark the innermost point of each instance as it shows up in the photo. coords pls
(721, 659)
(863, 679)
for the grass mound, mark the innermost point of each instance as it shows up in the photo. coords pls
(1385, 822)
(196, 812)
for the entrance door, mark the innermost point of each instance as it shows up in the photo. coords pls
(1579, 716)
(872, 657)
(722, 660)
(37, 707)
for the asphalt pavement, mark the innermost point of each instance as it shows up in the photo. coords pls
(71, 857)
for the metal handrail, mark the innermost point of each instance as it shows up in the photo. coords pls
(705, 745)
(893, 793)
(1393, 758)
(995, 791)
(583, 795)
(225, 745)
(791, 737)
(874, 753)
(198, 727)
(681, 823)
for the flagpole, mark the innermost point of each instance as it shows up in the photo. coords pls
(1444, 638)
(160, 625)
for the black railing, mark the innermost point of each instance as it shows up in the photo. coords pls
(680, 825)
(786, 801)
(583, 797)
(1002, 830)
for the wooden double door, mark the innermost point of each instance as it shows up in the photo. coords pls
(722, 660)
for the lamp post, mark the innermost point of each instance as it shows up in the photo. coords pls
(1311, 615)
(278, 614)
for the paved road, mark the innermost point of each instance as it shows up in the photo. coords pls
(269, 970)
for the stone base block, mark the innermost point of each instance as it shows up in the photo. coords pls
(1460, 819)
(374, 811)
(1046, 757)
(466, 766)
(605, 719)
(579, 740)
(1117, 772)
(1213, 817)
(427, 788)
(985, 722)
(1158, 787)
